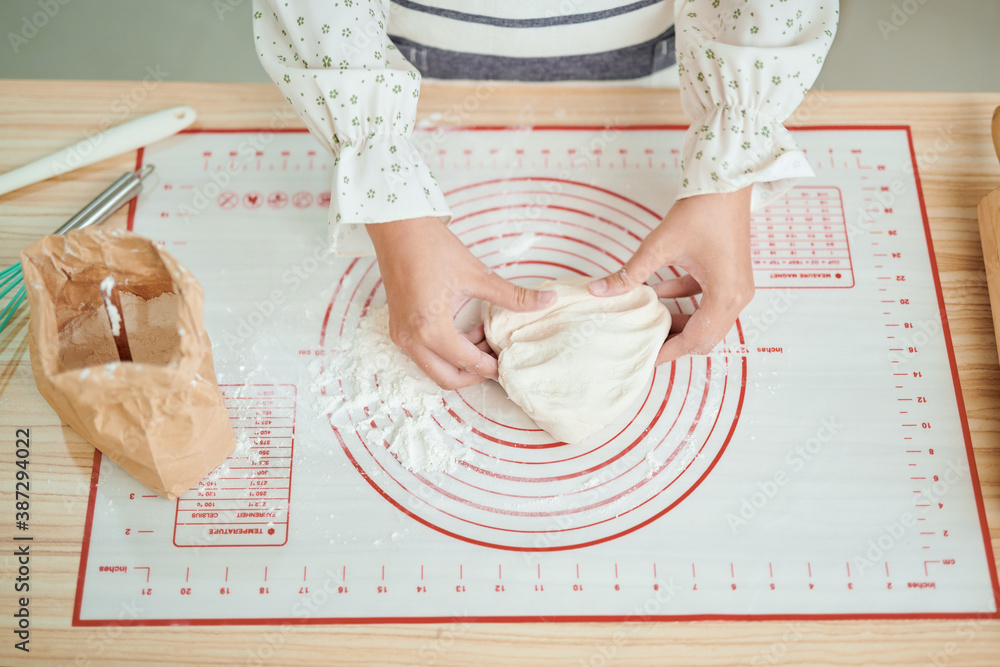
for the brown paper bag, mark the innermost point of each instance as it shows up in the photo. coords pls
(159, 416)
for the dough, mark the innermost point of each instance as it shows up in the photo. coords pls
(577, 365)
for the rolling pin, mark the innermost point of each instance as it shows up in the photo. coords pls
(989, 231)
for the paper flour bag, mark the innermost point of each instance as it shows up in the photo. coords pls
(119, 350)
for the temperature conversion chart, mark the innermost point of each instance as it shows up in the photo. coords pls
(816, 464)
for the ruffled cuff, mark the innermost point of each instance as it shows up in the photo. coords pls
(734, 147)
(380, 179)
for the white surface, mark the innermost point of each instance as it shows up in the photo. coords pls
(107, 285)
(825, 430)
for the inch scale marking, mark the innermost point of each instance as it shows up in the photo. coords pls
(913, 326)
(239, 583)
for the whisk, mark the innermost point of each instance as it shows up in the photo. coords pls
(117, 195)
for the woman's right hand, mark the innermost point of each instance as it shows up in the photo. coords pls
(427, 273)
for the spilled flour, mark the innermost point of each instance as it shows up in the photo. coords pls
(389, 400)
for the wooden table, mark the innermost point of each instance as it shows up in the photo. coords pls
(957, 168)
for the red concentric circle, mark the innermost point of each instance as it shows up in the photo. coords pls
(517, 488)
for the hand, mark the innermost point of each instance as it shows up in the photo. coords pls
(427, 272)
(709, 237)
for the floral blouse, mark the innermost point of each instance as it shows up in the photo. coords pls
(742, 66)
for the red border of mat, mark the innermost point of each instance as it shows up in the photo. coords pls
(95, 471)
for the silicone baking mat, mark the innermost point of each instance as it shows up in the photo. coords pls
(816, 464)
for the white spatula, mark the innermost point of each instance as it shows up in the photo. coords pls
(122, 139)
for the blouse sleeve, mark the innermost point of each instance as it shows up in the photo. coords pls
(744, 67)
(358, 97)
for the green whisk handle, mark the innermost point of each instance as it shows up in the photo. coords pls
(113, 198)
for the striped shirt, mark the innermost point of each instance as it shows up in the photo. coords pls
(565, 40)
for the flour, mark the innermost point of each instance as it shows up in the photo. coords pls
(391, 401)
(518, 246)
(153, 334)
(654, 463)
(85, 341)
(107, 285)
(681, 445)
(244, 445)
